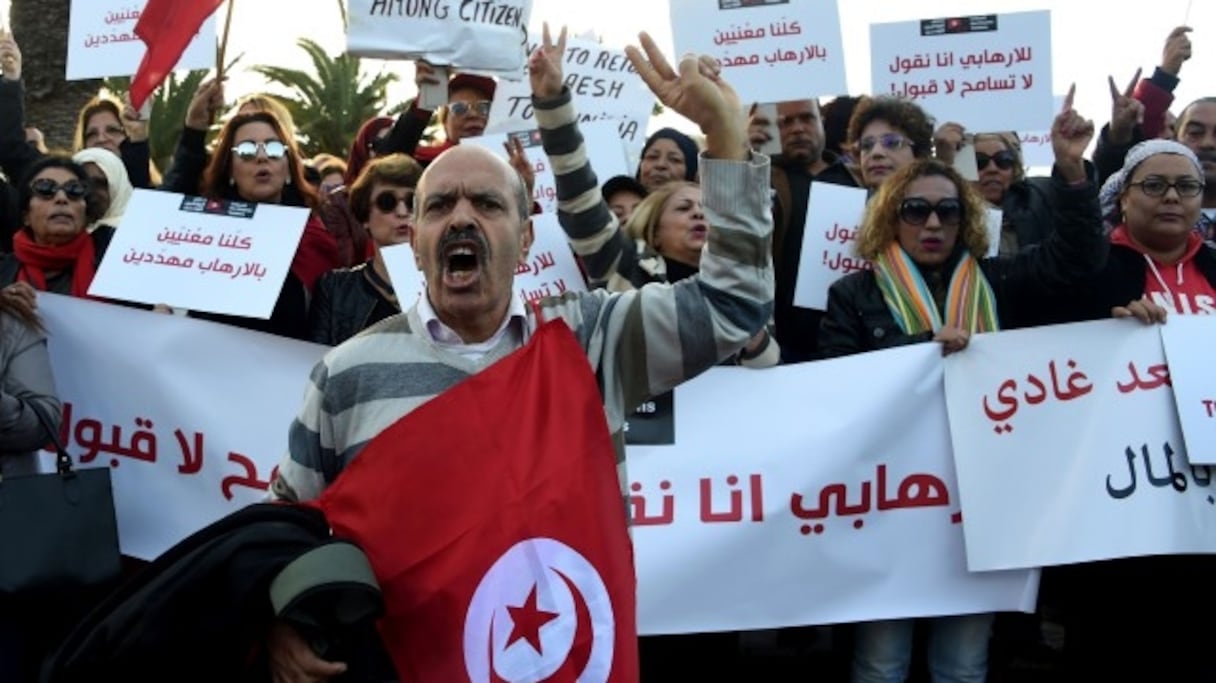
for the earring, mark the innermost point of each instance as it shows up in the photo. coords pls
(231, 180)
(288, 179)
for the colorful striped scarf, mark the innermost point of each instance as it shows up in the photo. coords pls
(970, 303)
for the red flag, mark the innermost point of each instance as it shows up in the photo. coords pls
(495, 525)
(166, 27)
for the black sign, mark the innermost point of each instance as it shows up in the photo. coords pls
(941, 27)
(653, 423)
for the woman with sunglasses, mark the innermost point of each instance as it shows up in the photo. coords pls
(887, 134)
(253, 162)
(925, 234)
(349, 300)
(52, 252)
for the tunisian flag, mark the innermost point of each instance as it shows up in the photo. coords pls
(166, 27)
(496, 528)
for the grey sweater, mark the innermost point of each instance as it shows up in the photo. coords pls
(25, 378)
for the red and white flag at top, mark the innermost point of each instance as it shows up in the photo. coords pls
(166, 27)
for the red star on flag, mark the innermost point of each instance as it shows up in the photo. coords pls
(528, 620)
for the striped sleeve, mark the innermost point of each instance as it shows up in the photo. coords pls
(309, 443)
(646, 341)
(594, 232)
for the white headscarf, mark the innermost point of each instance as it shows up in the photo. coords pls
(116, 178)
(1113, 187)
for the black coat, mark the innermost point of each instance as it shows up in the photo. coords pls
(1027, 286)
(344, 304)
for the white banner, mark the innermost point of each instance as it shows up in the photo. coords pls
(988, 72)
(760, 517)
(1068, 449)
(487, 35)
(770, 50)
(201, 254)
(1188, 348)
(191, 416)
(102, 40)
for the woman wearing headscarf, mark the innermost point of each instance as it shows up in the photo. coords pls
(667, 155)
(108, 183)
(925, 233)
(349, 300)
(1127, 619)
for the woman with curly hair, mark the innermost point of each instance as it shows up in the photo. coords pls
(925, 234)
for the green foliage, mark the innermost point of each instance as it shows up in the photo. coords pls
(169, 105)
(330, 106)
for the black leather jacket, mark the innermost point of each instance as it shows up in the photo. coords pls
(345, 303)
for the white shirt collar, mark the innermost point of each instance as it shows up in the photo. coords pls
(446, 338)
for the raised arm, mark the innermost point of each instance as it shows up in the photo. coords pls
(646, 341)
(594, 232)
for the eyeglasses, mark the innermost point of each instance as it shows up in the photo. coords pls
(889, 142)
(1004, 160)
(459, 108)
(1154, 186)
(249, 149)
(47, 188)
(387, 202)
(915, 211)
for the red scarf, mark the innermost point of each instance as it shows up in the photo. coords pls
(38, 259)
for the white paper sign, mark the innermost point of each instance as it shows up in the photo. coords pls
(102, 40)
(1188, 348)
(551, 269)
(486, 35)
(771, 51)
(993, 218)
(217, 256)
(988, 72)
(603, 85)
(833, 217)
(603, 149)
(824, 521)
(191, 416)
(1068, 449)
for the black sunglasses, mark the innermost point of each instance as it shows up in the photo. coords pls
(47, 188)
(915, 211)
(1004, 160)
(387, 202)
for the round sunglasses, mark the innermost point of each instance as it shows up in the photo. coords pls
(47, 188)
(248, 150)
(387, 202)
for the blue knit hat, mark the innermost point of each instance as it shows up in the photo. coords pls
(687, 146)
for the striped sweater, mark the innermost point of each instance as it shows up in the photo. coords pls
(608, 253)
(639, 343)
